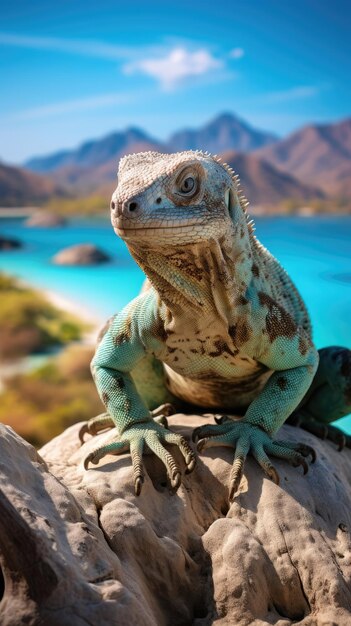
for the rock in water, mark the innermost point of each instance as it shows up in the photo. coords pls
(8, 243)
(79, 548)
(45, 219)
(81, 254)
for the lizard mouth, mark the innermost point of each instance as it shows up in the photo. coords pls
(123, 230)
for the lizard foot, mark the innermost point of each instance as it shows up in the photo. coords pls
(95, 425)
(105, 421)
(150, 437)
(321, 430)
(245, 438)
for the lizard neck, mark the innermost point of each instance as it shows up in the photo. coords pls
(202, 282)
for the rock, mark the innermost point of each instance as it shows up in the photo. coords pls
(45, 219)
(79, 548)
(81, 254)
(8, 243)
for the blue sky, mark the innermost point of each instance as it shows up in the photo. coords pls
(74, 70)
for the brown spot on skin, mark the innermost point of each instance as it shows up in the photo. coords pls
(282, 382)
(126, 333)
(221, 348)
(242, 233)
(185, 264)
(240, 332)
(105, 397)
(119, 383)
(255, 270)
(242, 300)
(279, 322)
(104, 329)
(303, 346)
(159, 331)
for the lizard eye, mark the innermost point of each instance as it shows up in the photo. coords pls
(188, 185)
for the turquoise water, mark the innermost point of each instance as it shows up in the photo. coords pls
(315, 251)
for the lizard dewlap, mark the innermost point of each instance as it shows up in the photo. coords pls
(219, 325)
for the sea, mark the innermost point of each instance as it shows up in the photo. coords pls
(315, 251)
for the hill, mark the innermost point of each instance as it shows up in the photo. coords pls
(317, 154)
(19, 187)
(225, 132)
(262, 183)
(92, 153)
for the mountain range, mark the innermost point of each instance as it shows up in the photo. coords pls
(20, 187)
(313, 162)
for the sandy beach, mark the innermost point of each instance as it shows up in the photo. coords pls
(79, 311)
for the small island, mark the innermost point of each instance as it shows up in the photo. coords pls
(9, 243)
(45, 219)
(81, 254)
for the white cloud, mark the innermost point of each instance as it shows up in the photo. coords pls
(170, 65)
(176, 67)
(73, 46)
(236, 53)
(70, 106)
(295, 93)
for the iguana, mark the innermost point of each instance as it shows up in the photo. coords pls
(219, 326)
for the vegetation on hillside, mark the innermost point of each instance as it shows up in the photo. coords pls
(29, 323)
(84, 206)
(95, 205)
(40, 404)
(336, 206)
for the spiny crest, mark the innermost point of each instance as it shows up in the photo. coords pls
(244, 203)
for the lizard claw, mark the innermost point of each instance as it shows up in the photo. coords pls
(273, 474)
(176, 480)
(190, 464)
(138, 483)
(90, 459)
(306, 451)
(83, 430)
(300, 461)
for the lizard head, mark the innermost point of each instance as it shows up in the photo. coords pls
(182, 198)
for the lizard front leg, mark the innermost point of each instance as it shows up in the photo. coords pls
(265, 415)
(120, 350)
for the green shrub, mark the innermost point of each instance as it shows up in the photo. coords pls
(40, 404)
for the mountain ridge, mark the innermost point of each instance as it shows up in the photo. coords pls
(313, 162)
(319, 154)
(225, 132)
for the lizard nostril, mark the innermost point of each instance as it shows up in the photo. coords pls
(158, 200)
(133, 206)
(113, 206)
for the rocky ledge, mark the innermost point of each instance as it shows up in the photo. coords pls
(79, 548)
(81, 254)
(45, 219)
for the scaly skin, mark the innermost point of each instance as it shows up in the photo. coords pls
(219, 325)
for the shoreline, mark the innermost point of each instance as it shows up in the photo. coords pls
(89, 336)
(69, 306)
